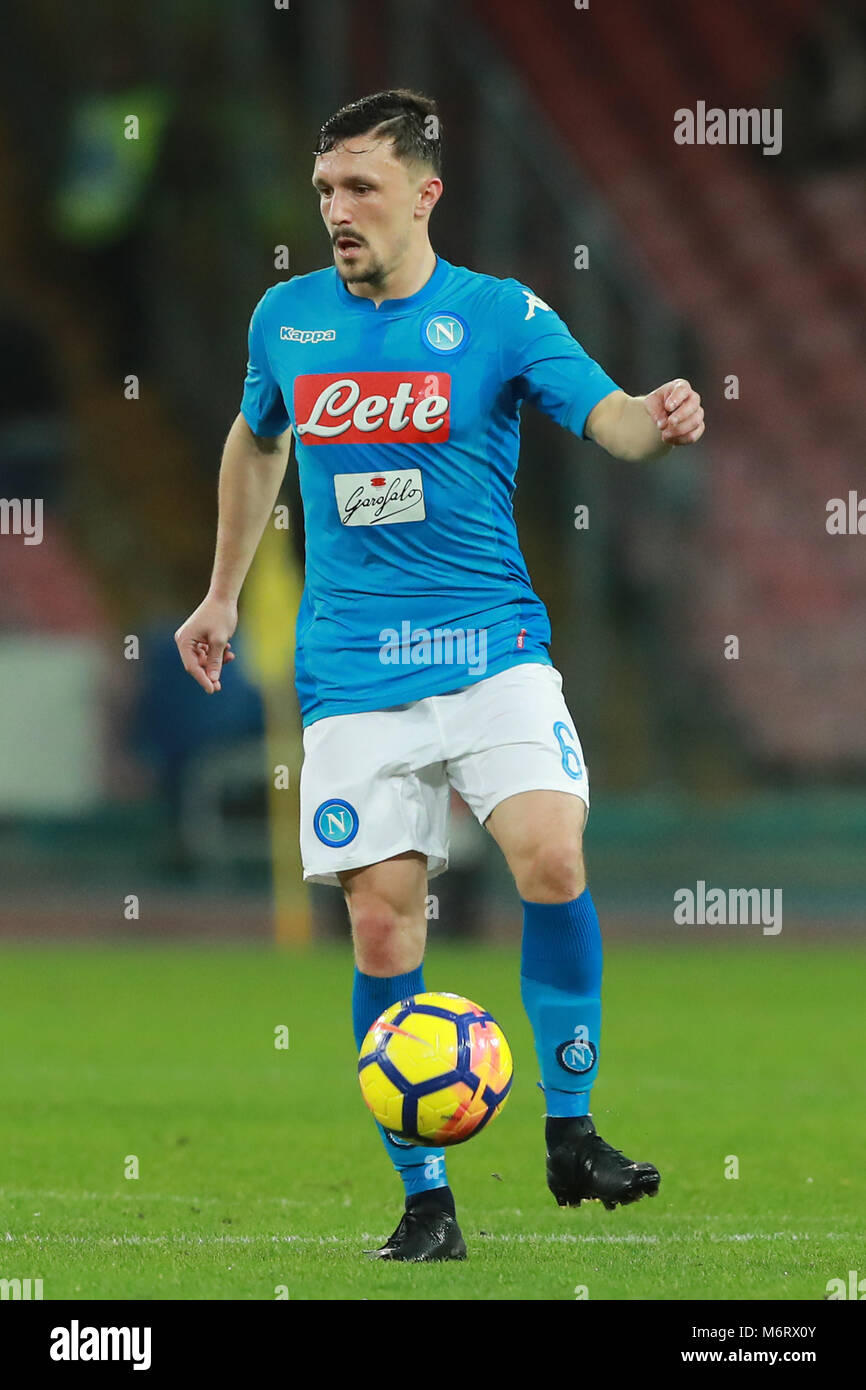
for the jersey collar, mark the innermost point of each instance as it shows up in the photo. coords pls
(390, 308)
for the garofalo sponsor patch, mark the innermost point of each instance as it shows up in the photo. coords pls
(375, 499)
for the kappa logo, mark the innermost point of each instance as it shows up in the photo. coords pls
(307, 335)
(533, 303)
(373, 408)
(400, 1143)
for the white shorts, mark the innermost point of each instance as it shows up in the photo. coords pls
(378, 784)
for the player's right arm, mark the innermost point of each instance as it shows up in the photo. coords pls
(252, 470)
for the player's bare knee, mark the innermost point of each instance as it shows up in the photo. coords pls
(375, 934)
(554, 873)
(386, 943)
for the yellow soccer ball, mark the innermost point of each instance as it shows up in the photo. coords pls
(435, 1069)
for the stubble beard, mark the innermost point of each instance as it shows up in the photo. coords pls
(374, 274)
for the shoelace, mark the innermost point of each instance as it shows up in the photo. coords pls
(608, 1148)
(408, 1220)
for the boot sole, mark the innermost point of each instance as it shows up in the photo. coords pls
(416, 1259)
(648, 1188)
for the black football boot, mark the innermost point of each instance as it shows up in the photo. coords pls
(582, 1167)
(428, 1231)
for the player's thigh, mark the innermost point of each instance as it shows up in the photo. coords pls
(521, 770)
(386, 903)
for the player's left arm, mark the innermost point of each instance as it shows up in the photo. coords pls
(639, 428)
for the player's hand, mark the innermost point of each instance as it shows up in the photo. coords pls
(676, 409)
(203, 641)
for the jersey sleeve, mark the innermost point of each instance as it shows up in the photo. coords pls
(544, 363)
(262, 404)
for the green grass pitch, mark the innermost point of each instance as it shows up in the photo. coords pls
(260, 1170)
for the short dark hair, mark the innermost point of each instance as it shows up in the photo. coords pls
(407, 118)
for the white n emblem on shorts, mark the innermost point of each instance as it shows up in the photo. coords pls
(336, 822)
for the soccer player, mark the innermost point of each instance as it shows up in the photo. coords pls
(422, 651)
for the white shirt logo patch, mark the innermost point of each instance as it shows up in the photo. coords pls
(307, 335)
(376, 499)
(533, 303)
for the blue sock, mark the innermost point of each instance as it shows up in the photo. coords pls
(421, 1169)
(560, 983)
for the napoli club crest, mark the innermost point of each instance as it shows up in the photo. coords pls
(445, 332)
(336, 823)
(578, 1055)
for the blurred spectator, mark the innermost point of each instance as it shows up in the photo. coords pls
(824, 97)
(33, 428)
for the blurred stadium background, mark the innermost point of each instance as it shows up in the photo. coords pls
(145, 258)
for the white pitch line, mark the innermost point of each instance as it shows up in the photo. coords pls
(53, 1196)
(629, 1238)
(695, 1238)
(226, 1203)
(187, 1240)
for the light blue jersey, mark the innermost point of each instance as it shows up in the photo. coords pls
(407, 431)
